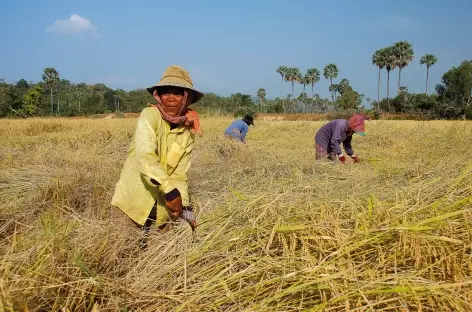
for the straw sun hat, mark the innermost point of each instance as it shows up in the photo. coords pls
(176, 76)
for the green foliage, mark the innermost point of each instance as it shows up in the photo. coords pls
(428, 60)
(312, 76)
(282, 71)
(376, 114)
(330, 72)
(31, 101)
(261, 94)
(378, 59)
(242, 104)
(7, 98)
(293, 75)
(456, 88)
(21, 88)
(403, 51)
(51, 79)
(388, 54)
(349, 99)
(420, 103)
(275, 106)
(343, 86)
(453, 98)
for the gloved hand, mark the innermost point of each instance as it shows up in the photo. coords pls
(189, 216)
(174, 202)
(342, 159)
(355, 158)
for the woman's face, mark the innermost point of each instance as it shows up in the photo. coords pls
(172, 98)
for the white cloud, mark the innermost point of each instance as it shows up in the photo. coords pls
(75, 25)
(400, 23)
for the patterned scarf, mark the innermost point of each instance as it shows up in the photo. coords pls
(356, 122)
(186, 116)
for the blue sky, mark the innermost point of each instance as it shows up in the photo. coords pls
(229, 47)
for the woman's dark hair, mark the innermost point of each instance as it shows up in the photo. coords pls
(248, 119)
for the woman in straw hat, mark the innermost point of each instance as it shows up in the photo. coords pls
(153, 183)
(329, 138)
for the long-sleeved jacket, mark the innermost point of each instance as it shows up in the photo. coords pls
(238, 129)
(159, 154)
(332, 134)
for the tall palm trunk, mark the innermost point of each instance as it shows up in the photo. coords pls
(52, 103)
(283, 96)
(312, 85)
(282, 89)
(388, 89)
(399, 78)
(427, 75)
(378, 89)
(293, 90)
(332, 91)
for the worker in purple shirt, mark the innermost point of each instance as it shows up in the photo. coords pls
(329, 138)
(239, 128)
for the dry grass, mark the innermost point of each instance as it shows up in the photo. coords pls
(279, 231)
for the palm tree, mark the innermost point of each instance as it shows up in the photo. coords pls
(303, 98)
(342, 86)
(51, 78)
(330, 72)
(304, 82)
(312, 76)
(429, 60)
(333, 88)
(282, 71)
(261, 94)
(378, 60)
(390, 64)
(404, 54)
(293, 75)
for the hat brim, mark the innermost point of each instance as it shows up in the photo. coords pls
(197, 95)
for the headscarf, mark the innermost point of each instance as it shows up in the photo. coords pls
(186, 115)
(356, 123)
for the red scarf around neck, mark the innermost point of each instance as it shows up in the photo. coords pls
(187, 116)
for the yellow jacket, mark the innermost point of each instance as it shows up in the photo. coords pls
(159, 153)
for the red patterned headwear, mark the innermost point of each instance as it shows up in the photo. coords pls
(356, 123)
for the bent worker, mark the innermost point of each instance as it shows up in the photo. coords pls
(153, 185)
(329, 138)
(239, 128)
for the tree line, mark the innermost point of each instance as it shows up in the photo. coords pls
(54, 96)
(451, 100)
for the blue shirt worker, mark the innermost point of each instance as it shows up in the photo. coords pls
(239, 128)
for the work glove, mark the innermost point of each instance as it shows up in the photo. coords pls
(355, 158)
(174, 202)
(342, 159)
(189, 216)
